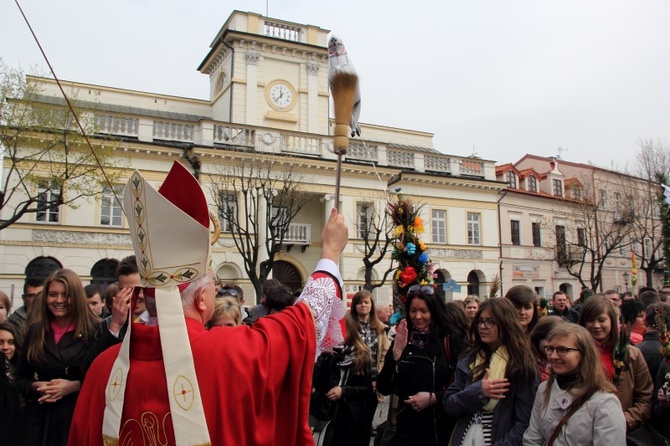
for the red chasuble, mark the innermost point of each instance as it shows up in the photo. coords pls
(255, 384)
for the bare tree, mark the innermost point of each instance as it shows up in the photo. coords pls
(592, 233)
(652, 165)
(258, 196)
(376, 232)
(47, 162)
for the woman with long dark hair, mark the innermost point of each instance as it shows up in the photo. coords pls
(48, 373)
(577, 404)
(495, 380)
(419, 368)
(526, 302)
(623, 364)
(10, 403)
(343, 387)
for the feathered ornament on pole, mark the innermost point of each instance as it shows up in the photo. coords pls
(343, 82)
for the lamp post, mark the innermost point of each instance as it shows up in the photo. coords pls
(626, 276)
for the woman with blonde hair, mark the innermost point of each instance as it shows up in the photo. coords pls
(49, 370)
(471, 305)
(577, 404)
(373, 333)
(227, 313)
(5, 307)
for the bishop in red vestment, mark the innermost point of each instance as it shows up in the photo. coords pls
(237, 385)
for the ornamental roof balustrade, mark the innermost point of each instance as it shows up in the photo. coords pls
(155, 126)
(282, 31)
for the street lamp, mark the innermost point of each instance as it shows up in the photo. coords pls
(626, 276)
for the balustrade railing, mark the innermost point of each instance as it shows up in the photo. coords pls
(436, 163)
(237, 136)
(173, 131)
(282, 31)
(117, 125)
(470, 167)
(399, 158)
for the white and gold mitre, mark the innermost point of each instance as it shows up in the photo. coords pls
(169, 228)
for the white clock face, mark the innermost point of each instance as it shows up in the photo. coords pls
(281, 95)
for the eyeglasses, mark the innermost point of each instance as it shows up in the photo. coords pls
(562, 351)
(227, 292)
(487, 323)
(423, 289)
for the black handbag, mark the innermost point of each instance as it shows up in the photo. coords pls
(646, 435)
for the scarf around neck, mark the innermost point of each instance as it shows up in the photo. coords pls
(497, 368)
(419, 337)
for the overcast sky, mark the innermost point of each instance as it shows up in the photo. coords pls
(500, 78)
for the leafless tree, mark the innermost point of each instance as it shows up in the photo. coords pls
(651, 164)
(376, 233)
(592, 233)
(258, 196)
(47, 162)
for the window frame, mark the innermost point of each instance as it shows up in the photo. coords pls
(438, 226)
(45, 216)
(226, 198)
(515, 232)
(532, 184)
(364, 211)
(537, 237)
(474, 228)
(558, 187)
(109, 201)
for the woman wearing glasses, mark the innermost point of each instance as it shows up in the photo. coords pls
(419, 368)
(577, 405)
(495, 380)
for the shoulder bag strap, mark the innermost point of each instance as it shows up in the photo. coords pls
(560, 425)
(447, 348)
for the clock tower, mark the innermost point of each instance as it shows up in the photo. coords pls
(270, 73)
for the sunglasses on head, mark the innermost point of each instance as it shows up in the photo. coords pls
(423, 289)
(227, 292)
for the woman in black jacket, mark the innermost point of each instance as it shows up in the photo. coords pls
(48, 373)
(343, 388)
(419, 369)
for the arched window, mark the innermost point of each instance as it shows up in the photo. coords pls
(473, 283)
(41, 267)
(287, 274)
(104, 272)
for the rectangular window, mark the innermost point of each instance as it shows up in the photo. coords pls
(48, 199)
(602, 199)
(577, 193)
(473, 229)
(618, 204)
(561, 247)
(537, 234)
(515, 225)
(111, 213)
(364, 212)
(511, 179)
(227, 211)
(581, 236)
(439, 226)
(558, 188)
(532, 184)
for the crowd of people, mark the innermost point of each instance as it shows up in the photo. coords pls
(473, 372)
